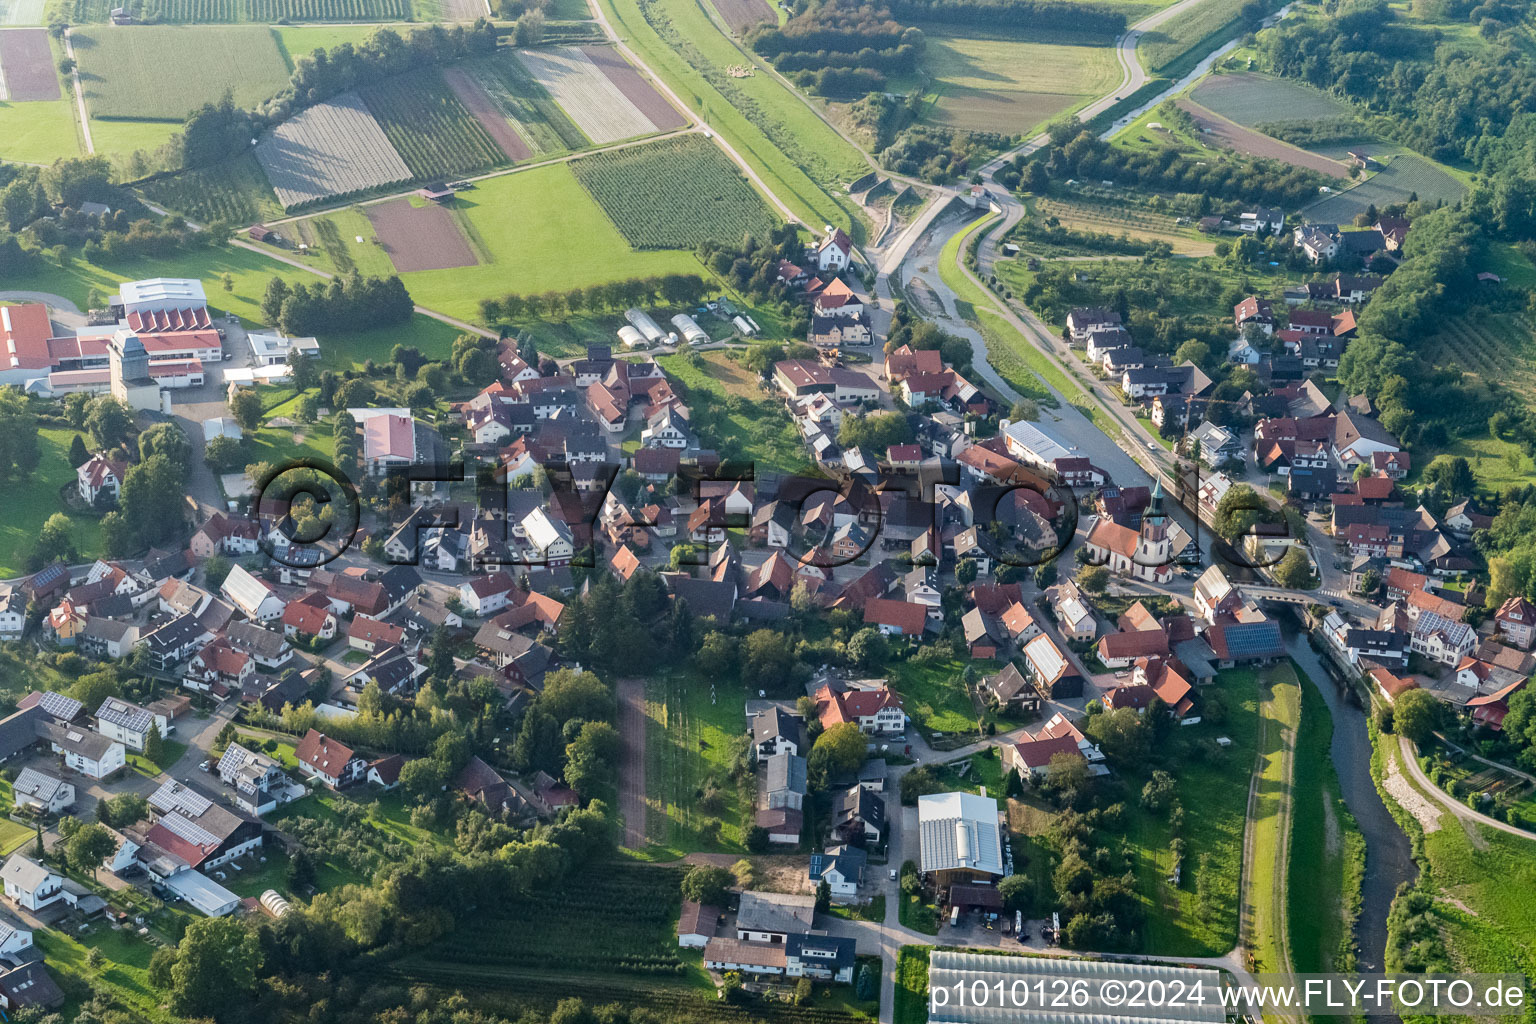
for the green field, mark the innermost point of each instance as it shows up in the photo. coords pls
(149, 71)
(935, 697)
(801, 159)
(295, 41)
(535, 115)
(28, 505)
(674, 194)
(40, 131)
(1497, 349)
(541, 231)
(1264, 881)
(1404, 176)
(431, 130)
(1179, 43)
(1011, 86)
(123, 976)
(120, 139)
(1251, 99)
(688, 740)
(911, 985)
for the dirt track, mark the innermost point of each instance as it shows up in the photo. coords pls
(632, 724)
(1245, 140)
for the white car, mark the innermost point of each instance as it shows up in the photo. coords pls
(205, 766)
(893, 874)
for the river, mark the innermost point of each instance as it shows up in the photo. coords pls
(1388, 854)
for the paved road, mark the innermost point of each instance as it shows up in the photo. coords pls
(1411, 763)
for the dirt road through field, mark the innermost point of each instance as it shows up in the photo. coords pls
(632, 786)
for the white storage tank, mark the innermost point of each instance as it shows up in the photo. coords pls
(690, 329)
(631, 337)
(645, 325)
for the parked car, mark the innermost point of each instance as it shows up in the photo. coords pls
(206, 766)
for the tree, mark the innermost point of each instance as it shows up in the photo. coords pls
(837, 751)
(823, 896)
(1093, 578)
(1017, 892)
(78, 455)
(224, 454)
(19, 451)
(123, 809)
(1294, 570)
(707, 884)
(216, 571)
(90, 845)
(422, 779)
(167, 439)
(1415, 714)
(245, 406)
(354, 394)
(1193, 351)
(1067, 774)
(1024, 409)
(569, 693)
(55, 540)
(90, 690)
(108, 421)
(591, 759)
(154, 747)
(868, 649)
(216, 964)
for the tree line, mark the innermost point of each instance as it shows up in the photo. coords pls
(352, 303)
(1060, 15)
(672, 289)
(837, 48)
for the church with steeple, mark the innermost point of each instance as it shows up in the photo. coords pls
(1146, 554)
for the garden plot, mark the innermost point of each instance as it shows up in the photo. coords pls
(166, 71)
(334, 149)
(741, 15)
(26, 66)
(1251, 143)
(598, 106)
(264, 12)
(419, 237)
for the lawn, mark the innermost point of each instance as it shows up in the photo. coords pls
(1012, 86)
(1085, 214)
(935, 696)
(911, 985)
(1213, 791)
(28, 505)
(728, 414)
(124, 975)
(294, 41)
(913, 913)
(797, 154)
(689, 735)
(1177, 45)
(542, 232)
(144, 72)
(170, 752)
(39, 132)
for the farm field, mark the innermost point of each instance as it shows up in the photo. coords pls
(21, 12)
(1080, 213)
(1251, 143)
(564, 240)
(591, 99)
(27, 74)
(674, 194)
(618, 919)
(741, 15)
(801, 159)
(333, 237)
(430, 129)
(336, 148)
(28, 505)
(82, 12)
(120, 139)
(1251, 99)
(1404, 176)
(1010, 85)
(294, 41)
(235, 191)
(1499, 349)
(663, 115)
(529, 109)
(422, 237)
(484, 110)
(688, 739)
(143, 71)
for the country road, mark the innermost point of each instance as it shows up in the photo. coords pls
(1410, 761)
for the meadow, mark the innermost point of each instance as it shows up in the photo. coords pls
(81, 12)
(935, 697)
(143, 71)
(688, 745)
(1010, 85)
(1178, 44)
(38, 132)
(562, 239)
(674, 194)
(800, 158)
(739, 427)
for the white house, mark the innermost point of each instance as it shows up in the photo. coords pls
(29, 884)
(549, 537)
(99, 474)
(487, 595)
(127, 723)
(13, 614)
(42, 791)
(256, 599)
(835, 252)
(90, 753)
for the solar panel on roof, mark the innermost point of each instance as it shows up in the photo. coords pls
(173, 796)
(58, 705)
(189, 830)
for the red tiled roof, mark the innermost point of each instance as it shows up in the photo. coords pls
(1038, 751)
(24, 332)
(307, 614)
(323, 754)
(908, 617)
(193, 853)
(1140, 643)
(373, 631)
